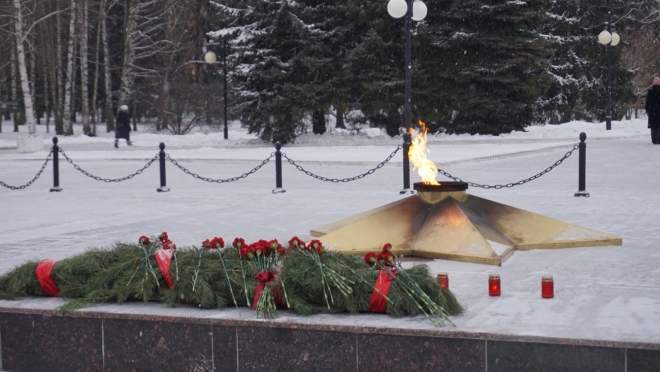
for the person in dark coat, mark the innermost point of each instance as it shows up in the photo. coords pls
(123, 126)
(653, 110)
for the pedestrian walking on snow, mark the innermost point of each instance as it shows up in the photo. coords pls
(123, 126)
(653, 110)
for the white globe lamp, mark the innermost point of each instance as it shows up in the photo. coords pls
(210, 57)
(604, 37)
(615, 38)
(419, 10)
(397, 8)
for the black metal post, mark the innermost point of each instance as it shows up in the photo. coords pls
(408, 67)
(608, 118)
(163, 182)
(278, 169)
(56, 167)
(407, 139)
(582, 148)
(224, 68)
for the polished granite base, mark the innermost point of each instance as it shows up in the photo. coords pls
(92, 340)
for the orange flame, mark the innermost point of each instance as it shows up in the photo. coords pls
(417, 154)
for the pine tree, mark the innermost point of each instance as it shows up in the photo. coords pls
(487, 57)
(561, 99)
(268, 36)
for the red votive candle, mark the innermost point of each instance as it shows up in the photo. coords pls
(547, 287)
(443, 280)
(494, 287)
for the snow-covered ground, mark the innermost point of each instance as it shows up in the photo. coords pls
(605, 293)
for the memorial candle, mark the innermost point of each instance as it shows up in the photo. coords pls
(494, 287)
(443, 280)
(547, 287)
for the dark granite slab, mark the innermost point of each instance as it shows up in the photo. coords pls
(276, 349)
(224, 348)
(643, 360)
(537, 357)
(156, 346)
(50, 343)
(406, 353)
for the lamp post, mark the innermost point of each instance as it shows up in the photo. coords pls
(412, 10)
(609, 38)
(211, 58)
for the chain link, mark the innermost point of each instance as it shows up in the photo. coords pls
(521, 182)
(337, 180)
(244, 175)
(109, 179)
(32, 180)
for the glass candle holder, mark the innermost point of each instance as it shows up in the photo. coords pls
(443, 280)
(547, 287)
(494, 286)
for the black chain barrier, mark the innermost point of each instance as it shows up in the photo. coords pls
(244, 175)
(337, 180)
(521, 182)
(32, 180)
(109, 179)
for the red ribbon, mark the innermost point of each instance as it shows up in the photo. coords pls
(263, 277)
(46, 281)
(378, 303)
(164, 259)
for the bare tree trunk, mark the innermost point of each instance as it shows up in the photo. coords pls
(32, 78)
(70, 82)
(84, 68)
(96, 71)
(58, 102)
(14, 93)
(46, 103)
(109, 122)
(55, 76)
(127, 79)
(22, 69)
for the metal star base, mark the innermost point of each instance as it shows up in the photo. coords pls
(455, 226)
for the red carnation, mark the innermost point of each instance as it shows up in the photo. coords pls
(163, 237)
(281, 251)
(387, 247)
(169, 245)
(238, 243)
(380, 257)
(370, 258)
(274, 244)
(206, 244)
(389, 258)
(246, 251)
(217, 243)
(314, 244)
(144, 240)
(295, 242)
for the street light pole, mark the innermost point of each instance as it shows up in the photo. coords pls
(224, 69)
(411, 10)
(408, 68)
(608, 118)
(211, 58)
(609, 38)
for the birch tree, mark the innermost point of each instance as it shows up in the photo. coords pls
(109, 122)
(22, 68)
(84, 68)
(69, 85)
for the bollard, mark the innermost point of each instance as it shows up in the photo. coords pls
(56, 167)
(582, 147)
(163, 182)
(278, 169)
(406, 166)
